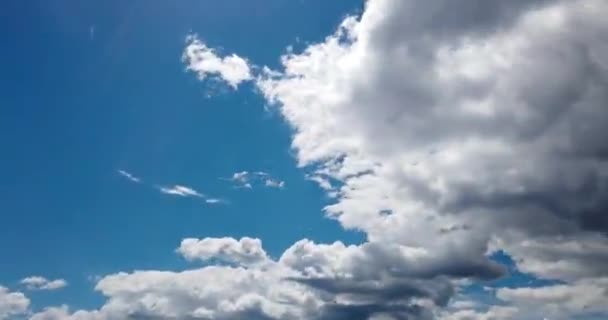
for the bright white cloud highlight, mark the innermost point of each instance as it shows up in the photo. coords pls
(205, 62)
(12, 303)
(181, 191)
(129, 176)
(246, 251)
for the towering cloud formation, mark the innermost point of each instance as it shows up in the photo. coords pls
(462, 128)
(452, 129)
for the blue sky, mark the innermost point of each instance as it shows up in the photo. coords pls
(454, 147)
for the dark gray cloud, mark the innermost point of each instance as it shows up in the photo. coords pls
(383, 292)
(366, 311)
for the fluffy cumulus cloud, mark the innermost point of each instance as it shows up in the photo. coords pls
(42, 283)
(244, 251)
(462, 128)
(445, 131)
(206, 62)
(12, 303)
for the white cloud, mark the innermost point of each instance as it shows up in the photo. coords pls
(53, 313)
(245, 251)
(493, 313)
(42, 283)
(175, 190)
(310, 281)
(461, 125)
(129, 176)
(12, 303)
(241, 178)
(63, 313)
(205, 62)
(323, 182)
(470, 115)
(578, 300)
(182, 191)
(188, 192)
(246, 179)
(274, 183)
(562, 301)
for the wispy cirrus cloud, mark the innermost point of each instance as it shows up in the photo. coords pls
(129, 176)
(42, 283)
(181, 191)
(178, 190)
(215, 201)
(189, 192)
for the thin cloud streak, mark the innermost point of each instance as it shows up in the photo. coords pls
(129, 176)
(182, 191)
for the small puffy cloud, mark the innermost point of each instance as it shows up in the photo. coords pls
(246, 179)
(246, 251)
(274, 183)
(129, 176)
(42, 283)
(241, 179)
(181, 191)
(12, 303)
(205, 62)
